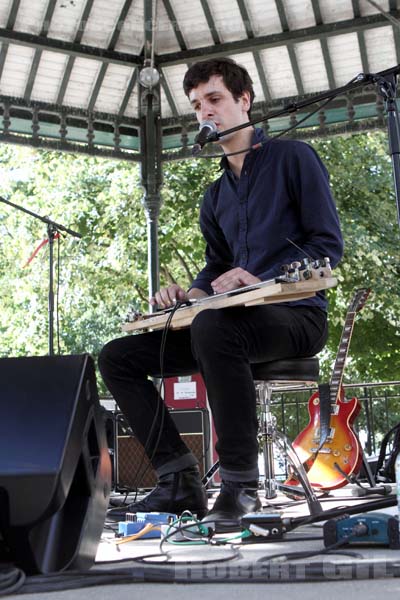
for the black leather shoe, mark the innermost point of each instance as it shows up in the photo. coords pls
(234, 500)
(174, 493)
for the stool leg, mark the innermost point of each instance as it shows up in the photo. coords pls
(267, 430)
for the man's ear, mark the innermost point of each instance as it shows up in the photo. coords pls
(245, 98)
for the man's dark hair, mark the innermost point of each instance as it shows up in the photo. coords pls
(236, 78)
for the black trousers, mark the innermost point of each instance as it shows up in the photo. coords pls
(221, 344)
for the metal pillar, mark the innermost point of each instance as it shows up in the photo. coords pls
(151, 176)
(151, 146)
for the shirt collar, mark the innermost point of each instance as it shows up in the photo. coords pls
(258, 137)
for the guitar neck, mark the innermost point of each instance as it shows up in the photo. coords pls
(341, 356)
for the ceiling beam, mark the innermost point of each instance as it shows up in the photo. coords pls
(279, 39)
(257, 60)
(175, 26)
(328, 63)
(210, 22)
(111, 46)
(128, 94)
(71, 59)
(245, 18)
(317, 12)
(356, 8)
(182, 45)
(10, 25)
(38, 52)
(324, 45)
(168, 94)
(262, 78)
(363, 51)
(396, 36)
(295, 69)
(282, 15)
(78, 50)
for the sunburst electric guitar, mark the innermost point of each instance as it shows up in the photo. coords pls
(341, 455)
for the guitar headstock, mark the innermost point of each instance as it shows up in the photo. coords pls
(306, 269)
(359, 299)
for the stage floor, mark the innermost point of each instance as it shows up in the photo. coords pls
(237, 569)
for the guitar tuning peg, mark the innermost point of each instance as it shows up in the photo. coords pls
(133, 315)
(306, 274)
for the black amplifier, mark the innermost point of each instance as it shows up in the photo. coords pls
(132, 468)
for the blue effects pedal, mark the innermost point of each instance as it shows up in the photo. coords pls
(374, 528)
(135, 522)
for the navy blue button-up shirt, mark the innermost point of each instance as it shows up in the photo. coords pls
(282, 193)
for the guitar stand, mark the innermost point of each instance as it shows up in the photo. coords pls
(270, 436)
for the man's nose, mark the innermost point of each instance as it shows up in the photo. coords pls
(206, 112)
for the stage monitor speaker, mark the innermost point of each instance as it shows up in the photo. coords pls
(132, 467)
(55, 469)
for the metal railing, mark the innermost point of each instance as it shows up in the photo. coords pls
(380, 410)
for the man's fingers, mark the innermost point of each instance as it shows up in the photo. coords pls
(166, 297)
(233, 279)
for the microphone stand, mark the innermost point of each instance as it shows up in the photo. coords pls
(387, 86)
(52, 229)
(386, 81)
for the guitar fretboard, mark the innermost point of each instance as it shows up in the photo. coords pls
(341, 356)
(355, 306)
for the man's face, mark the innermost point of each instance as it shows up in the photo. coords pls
(212, 101)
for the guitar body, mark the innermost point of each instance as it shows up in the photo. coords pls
(341, 453)
(342, 446)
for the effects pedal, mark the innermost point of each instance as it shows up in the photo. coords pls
(264, 527)
(135, 522)
(374, 528)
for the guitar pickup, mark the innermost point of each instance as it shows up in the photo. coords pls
(322, 451)
(329, 438)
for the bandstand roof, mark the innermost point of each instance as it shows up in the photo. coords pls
(69, 69)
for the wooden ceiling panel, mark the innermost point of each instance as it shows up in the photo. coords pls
(72, 56)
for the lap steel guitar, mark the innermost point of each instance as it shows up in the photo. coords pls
(299, 280)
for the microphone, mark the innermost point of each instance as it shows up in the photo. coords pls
(205, 129)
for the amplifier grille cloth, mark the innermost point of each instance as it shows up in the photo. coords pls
(130, 455)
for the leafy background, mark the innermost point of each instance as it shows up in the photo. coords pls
(105, 273)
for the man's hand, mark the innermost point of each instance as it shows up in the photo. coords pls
(168, 296)
(233, 279)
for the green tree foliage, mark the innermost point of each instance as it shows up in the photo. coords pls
(362, 182)
(106, 271)
(100, 200)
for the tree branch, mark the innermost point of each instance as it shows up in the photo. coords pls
(184, 262)
(142, 295)
(168, 275)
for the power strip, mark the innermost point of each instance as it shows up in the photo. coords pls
(374, 528)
